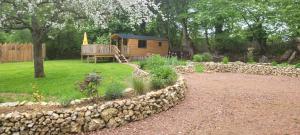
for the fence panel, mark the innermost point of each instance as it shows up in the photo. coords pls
(17, 52)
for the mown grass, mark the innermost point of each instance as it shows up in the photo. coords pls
(16, 79)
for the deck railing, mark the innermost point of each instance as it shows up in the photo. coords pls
(102, 50)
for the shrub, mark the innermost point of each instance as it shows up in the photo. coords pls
(198, 58)
(114, 91)
(139, 85)
(283, 64)
(154, 61)
(65, 101)
(207, 57)
(225, 60)
(37, 96)
(174, 61)
(142, 64)
(274, 63)
(157, 83)
(162, 76)
(199, 68)
(90, 85)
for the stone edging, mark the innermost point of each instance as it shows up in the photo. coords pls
(91, 118)
(257, 69)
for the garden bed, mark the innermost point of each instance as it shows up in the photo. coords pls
(258, 69)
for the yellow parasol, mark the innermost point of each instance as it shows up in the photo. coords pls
(85, 40)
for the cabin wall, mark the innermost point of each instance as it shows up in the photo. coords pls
(152, 48)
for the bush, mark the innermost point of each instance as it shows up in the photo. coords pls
(114, 91)
(225, 60)
(199, 68)
(139, 85)
(37, 96)
(207, 57)
(154, 61)
(274, 63)
(157, 83)
(142, 64)
(198, 58)
(174, 61)
(90, 85)
(297, 65)
(283, 64)
(162, 77)
(157, 60)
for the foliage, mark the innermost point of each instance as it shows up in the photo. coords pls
(205, 57)
(114, 91)
(90, 85)
(139, 85)
(199, 68)
(283, 64)
(60, 81)
(274, 63)
(225, 60)
(297, 65)
(162, 76)
(198, 58)
(36, 93)
(157, 61)
(103, 40)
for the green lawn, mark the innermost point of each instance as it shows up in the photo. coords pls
(16, 79)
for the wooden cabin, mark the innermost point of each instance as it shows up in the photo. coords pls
(127, 46)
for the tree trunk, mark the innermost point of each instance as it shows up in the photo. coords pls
(186, 41)
(37, 34)
(261, 37)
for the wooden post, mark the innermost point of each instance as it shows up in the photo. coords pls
(122, 45)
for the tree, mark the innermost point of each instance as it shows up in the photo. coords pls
(42, 16)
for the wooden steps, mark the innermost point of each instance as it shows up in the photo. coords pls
(119, 56)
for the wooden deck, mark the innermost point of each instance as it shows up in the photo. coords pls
(95, 52)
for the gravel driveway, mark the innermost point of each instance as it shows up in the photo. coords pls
(227, 104)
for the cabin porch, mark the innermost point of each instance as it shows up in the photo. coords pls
(96, 52)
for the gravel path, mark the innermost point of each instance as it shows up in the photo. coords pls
(226, 103)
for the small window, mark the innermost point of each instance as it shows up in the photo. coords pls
(125, 41)
(159, 44)
(142, 44)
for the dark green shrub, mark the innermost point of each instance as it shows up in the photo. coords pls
(139, 85)
(157, 83)
(207, 57)
(225, 60)
(274, 63)
(162, 77)
(198, 58)
(142, 64)
(297, 65)
(114, 91)
(199, 68)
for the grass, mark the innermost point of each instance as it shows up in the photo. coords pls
(16, 79)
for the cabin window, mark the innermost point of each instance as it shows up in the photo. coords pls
(159, 44)
(125, 41)
(142, 44)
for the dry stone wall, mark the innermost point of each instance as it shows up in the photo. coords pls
(91, 118)
(258, 69)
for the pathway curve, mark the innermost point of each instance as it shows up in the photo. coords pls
(227, 103)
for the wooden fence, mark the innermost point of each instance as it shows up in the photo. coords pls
(17, 52)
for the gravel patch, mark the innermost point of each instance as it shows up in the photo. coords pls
(227, 103)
